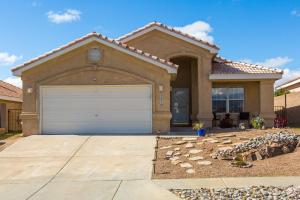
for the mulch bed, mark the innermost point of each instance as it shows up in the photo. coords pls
(283, 165)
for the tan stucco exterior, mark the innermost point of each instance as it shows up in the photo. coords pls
(5, 106)
(115, 68)
(119, 68)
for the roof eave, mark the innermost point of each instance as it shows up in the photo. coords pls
(245, 76)
(18, 70)
(124, 39)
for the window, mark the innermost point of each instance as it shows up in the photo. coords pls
(228, 100)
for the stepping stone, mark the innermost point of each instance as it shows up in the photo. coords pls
(189, 145)
(200, 143)
(165, 147)
(190, 171)
(244, 138)
(174, 158)
(196, 158)
(207, 139)
(225, 148)
(194, 151)
(227, 142)
(229, 135)
(186, 155)
(177, 154)
(176, 162)
(189, 139)
(180, 142)
(205, 162)
(177, 149)
(169, 153)
(186, 165)
(214, 141)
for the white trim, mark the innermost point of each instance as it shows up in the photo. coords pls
(18, 72)
(7, 98)
(288, 84)
(177, 35)
(60, 86)
(244, 76)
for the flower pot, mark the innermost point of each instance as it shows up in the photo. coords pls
(201, 132)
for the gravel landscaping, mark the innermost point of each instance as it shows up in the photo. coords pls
(251, 193)
(192, 157)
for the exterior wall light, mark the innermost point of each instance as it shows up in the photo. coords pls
(160, 88)
(29, 90)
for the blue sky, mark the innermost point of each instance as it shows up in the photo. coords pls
(266, 32)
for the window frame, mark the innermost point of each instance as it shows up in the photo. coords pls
(228, 99)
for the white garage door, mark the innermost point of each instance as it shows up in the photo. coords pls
(96, 109)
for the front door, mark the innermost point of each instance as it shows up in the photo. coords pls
(180, 106)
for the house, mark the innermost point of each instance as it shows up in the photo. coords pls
(289, 102)
(10, 107)
(146, 81)
(290, 86)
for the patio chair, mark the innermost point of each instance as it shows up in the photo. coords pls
(244, 118)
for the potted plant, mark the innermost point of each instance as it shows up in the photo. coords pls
(257, 122)
(199, 127)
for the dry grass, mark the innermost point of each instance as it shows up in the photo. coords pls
(284, 165)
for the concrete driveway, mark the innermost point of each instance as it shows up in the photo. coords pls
(79, 167)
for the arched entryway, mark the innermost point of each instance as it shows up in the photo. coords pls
(184, 92)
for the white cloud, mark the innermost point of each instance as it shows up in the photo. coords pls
(198, 29)
(271, 62)
(295, 13)
(16, 81)
(278, 62)
(8, 59)
(68, 16)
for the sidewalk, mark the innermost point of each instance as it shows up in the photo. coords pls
(227, 182)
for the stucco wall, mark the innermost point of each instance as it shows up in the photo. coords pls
(114, 68)
(4, 107)
(292, 107)
(167, 47)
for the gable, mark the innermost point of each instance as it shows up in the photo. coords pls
(94, 37)
(156, 26)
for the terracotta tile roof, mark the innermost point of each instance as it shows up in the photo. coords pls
(167, 28)
(8, 90)
(224, 66)
(289, 83)
(99, 36)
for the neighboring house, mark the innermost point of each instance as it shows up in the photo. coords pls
(146, 81)
(290, 86)
(10, 107)
(290, 100)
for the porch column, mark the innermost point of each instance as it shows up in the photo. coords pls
(204, 91)
(266, 91)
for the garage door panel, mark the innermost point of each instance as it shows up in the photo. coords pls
(96, 109)
(92, 104)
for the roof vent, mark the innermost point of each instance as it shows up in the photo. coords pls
(94, 55)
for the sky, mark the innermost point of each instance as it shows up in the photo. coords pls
(264, 32)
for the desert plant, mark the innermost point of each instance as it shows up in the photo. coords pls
(257, 122)
(198, 126)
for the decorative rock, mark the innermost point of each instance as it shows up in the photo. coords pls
(214, 141)
(176, 162)
(205, 162)
(165, 147)
(177, 154)
(258, 156)
(227, 142)
(224, 148)
(177, 149)
(189, 139)
(200, 143)
(186, 155)
(207, 139)
(2, 142)
(186, 165)
(229, 135)
(174, 158)
(195, 151)
(190, 171)
(196, 158)
(169, 153)
(189, 145)
(180, 142)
